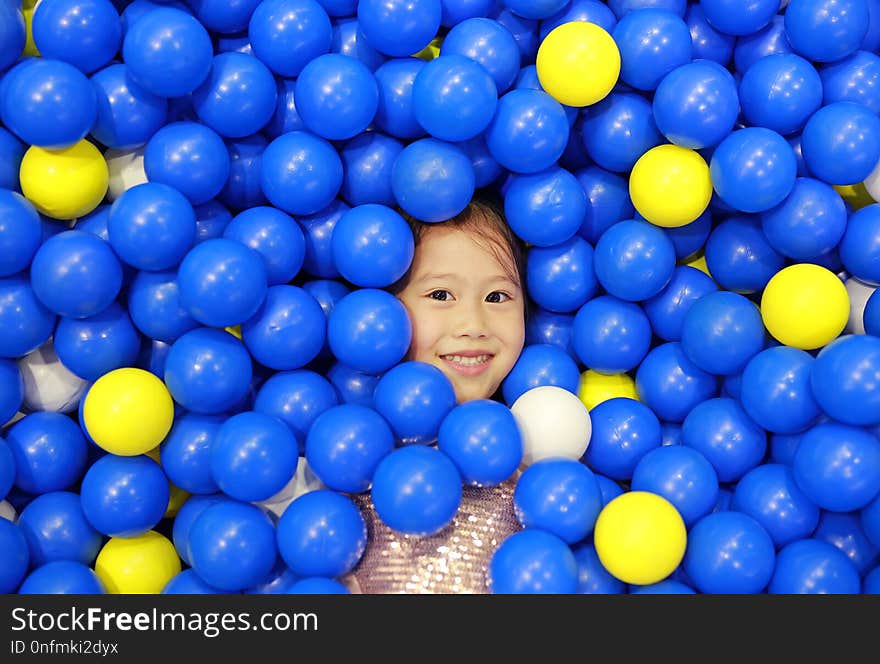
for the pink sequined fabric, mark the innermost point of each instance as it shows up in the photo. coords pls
(455, 560)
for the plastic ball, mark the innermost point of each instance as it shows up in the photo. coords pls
(533, 562)
(808, 223)
(186, 516)
(399, 28)
(854, 78)
(11, 154)
(561, 278)
(232, 545)
(432, 180)
(587, 11)
(297, 398)
(319, 586)
(734, 18)
(127, 114)
(541, 364)
(12, 37)
(593, 578)
(16, 556)
(287, 34)
(617, 131)
(859, 250)
(351, 385)
(20, 234)
(491, 44)
(859, 295)
(610, 335)
(49, 450)
(670, 186)
(275, 236)
(345, 445)
(872, 315)
(708, 43)
(841, 143)
(91, 347)
(739, 256)
(666, 587)
(560, 496)
(652, 43)
(56, 528)
(143, 564)
(780, 92)
(65, 183)
(368, 161)
(414, 398)
(167, 52)
(640, 537)
(753, 169)
(62, 577)
(372, 246)
(48, 384)
(395, 114)
(529, 131)
(553, 423)
(321, 533)
(671, 385)
(546, 208)
(369, 330)
(668, 309)
(208, 371)
(545, 327)
(348, 40)
(300, 173)
(155, 308)
(608, 201)
(186, 453)
(124, 496)
(578, 63)
(11, 397)
(84, 33)
(811, 566)
(126, 169)
(222, 282)
(416, 490)
(826, 30)
(47, 103)
(845, 533)
(729, 553)
(624, 431)
(596, 388)
(844, 379)
(189, 583)
(634, 260)
(681, 475)
(242, 189)
(805, 306)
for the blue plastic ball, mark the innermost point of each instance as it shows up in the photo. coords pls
(243, 189)
(222, 282)
(708, 43)
(56, 528)
(810, 222)
(25, 322)
(618, 130)
(545, 327)
(665, 587)
(608, 198)
(524, 31)
(855, 78)
(826, 30)
(300, 173)
(47, 102)
(297, 398)
(49, 451)
(634, 260)
(287, 331)
(286, 118)
(483, 441)
(432, 180)
(319, 586)
(155, 308)
(623, 7)
(844, 380)
(541, 364)
(593, 578)
(739, 256)
(372, 246)
(871, 582)
(652, 43)
(369, 330)
(416, 490)
(12, 36)
(208, 371)
(729, 552)
(738, 18)
(352, 386)
(841, 143)
(722, 431)
(610, 335)
(811, 566)
(489, 43)
(188, 582)
(93, 346)
(348, 40)
(345, 445)
(20, 232)
(560, 496)
(395, 114)
(186, 516)
(84, 33)
(844, 532)
(780, 92)
(186, 453)
(127, 115)
(859, 249)
(533, 562)
(871, 315)
(399, 28)
(683, 476)
(586, 11)
(62, 577)
(167, 52)
(368, 161)
(124, 496)
(624, 431)
(560, 278)
(776, 390)
(835, 465)
(529, 131)
(321, 533)
(287, 34)
(232, 545)
(275, 236)
(668, 309)
(414, 398)
(11, 154)
(15, 556)
(671, 385)
(11, 397)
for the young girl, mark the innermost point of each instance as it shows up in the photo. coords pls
(465, 294)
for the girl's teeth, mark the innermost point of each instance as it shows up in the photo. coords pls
(467, 361)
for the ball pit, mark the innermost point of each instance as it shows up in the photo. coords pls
(203, 215)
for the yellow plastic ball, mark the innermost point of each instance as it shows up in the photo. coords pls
(697, 261)
(670, 186)
(137, 565)
(578, 64)
(431, 51)
(855, 194)
(128, 411)
(805, 306)
(177, 496)
(596, 388)
(640, 537)
(28, 7)
(66, 183)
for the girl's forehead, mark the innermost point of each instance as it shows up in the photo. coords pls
(457, 246)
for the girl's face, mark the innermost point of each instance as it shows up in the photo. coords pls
(467, 314)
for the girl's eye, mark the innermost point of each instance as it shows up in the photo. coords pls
(439, 294)
(496, 297)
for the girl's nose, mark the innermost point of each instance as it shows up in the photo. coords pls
(470, 321)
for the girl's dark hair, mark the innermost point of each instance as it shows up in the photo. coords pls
(483, 219)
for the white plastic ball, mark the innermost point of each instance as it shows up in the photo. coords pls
(303, 481)
(7, 511)
(859, 292)
(126, 170)
(553, 423)
(872, 183)
(48, 384)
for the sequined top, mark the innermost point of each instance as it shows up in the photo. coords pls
(455, 560)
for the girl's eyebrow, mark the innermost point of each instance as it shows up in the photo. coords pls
(426, 277)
